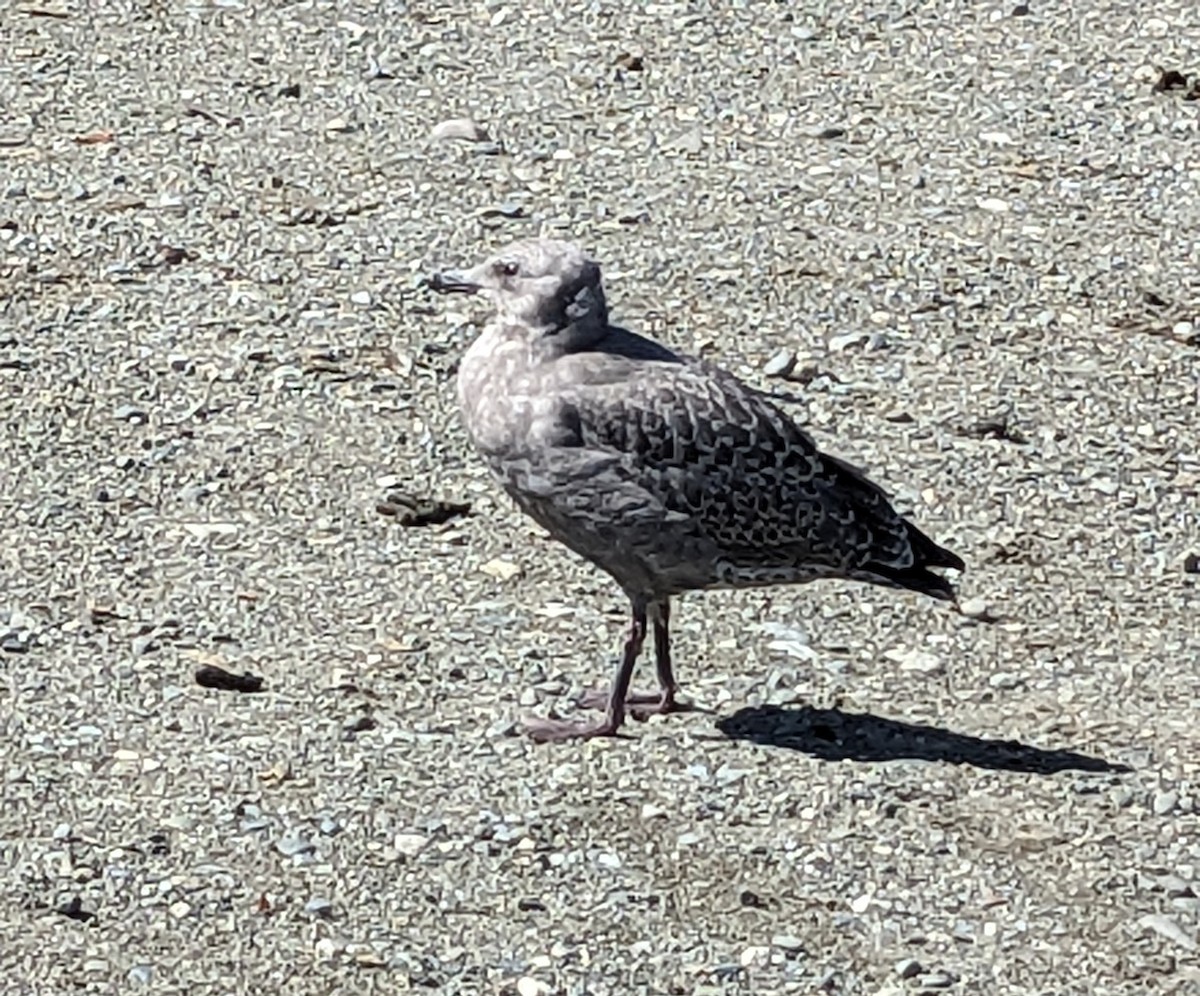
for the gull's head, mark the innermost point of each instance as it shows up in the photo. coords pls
(545, 285)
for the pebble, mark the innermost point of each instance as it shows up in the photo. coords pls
(755, 956)
(319, 906)
(845, 340)
(203, 530)
(789, 943)
(462, 129)
(860, 904)
(141, 974)
(918, 661)
(908, 968)
(781, 364)
(14, 642)
(328, 948)
(527, 985)
(366, 956)
(291, 844)
(1183, 330)
(993, 204)
(130, 413)
(361, 297)
(936, 980)
(805, 371)
(1164, 802)
(502, 570)
(410, 844)
(1174, 886)
(976, 608)
(1164, 926)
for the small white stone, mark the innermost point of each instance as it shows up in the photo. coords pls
(527, 985)
(780, 365)
(362, 297)
(993, 204)
(141, 974)
(410, 844)
(975, 608)
(203, 530)
(917, 661)
(1164, 802)
(328, 948)
(179, 909)
(845, 340)
(463, 129)
(755, 956)
(503, 570)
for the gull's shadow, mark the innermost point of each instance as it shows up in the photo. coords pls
(833, 735)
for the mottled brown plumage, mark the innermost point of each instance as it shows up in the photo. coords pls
(665, 471)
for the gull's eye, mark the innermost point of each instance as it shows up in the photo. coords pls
(509, 267)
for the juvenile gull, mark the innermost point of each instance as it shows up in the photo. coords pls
(664, 470)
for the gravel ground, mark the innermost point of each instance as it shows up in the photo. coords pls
(972, 227)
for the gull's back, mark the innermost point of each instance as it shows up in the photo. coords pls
(671, 474)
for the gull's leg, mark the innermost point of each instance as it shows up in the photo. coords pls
(664, 702)
(545, 730)
(660, 616)
(646, 704)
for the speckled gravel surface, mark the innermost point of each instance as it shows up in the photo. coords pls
(967, 233)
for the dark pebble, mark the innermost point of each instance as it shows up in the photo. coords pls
(211, 676)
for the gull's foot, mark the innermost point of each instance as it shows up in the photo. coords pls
(545, 731)
(641, 705)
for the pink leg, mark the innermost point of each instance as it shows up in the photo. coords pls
(660, 613)
(546, 730)
(645, 704)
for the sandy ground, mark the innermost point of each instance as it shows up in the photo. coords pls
(974, 225)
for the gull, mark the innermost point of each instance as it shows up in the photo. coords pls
(664, 470)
